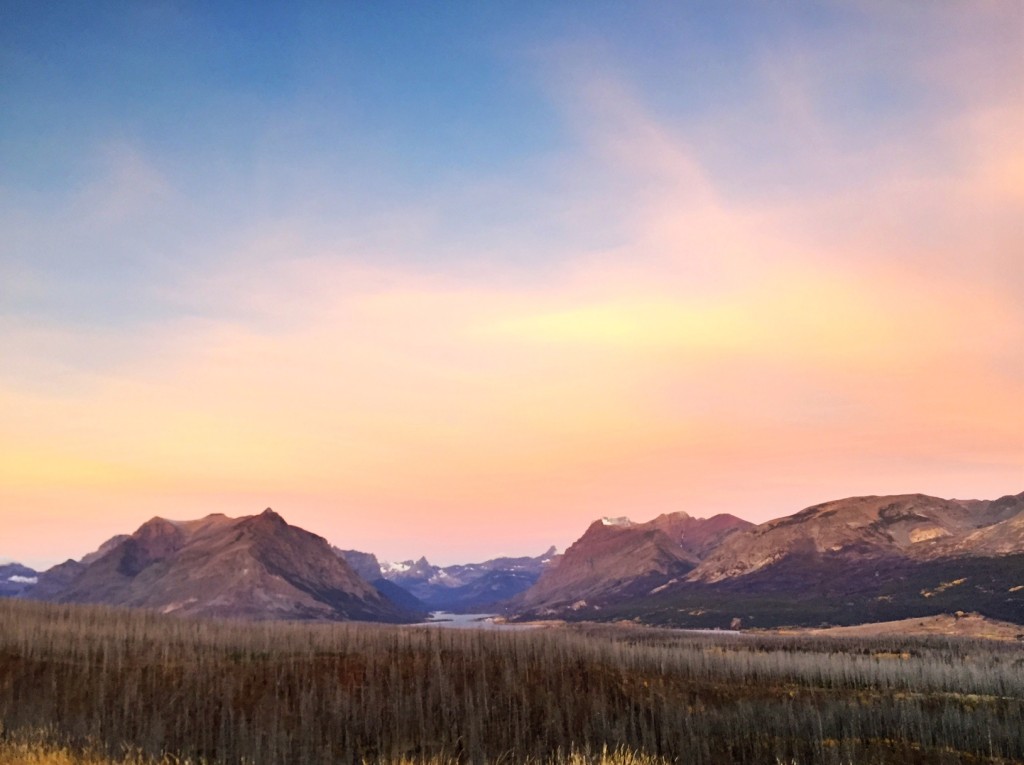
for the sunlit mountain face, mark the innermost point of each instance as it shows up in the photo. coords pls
(456, 281)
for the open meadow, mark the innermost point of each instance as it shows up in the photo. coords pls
(109, 681)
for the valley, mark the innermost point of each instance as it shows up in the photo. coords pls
(845, 562)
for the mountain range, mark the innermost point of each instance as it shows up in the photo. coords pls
(467, 587)
(842, 562)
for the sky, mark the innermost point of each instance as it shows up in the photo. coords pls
(456, 279)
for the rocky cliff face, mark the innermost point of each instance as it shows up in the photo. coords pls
(363, 563)
(614, 558)
(698, 536)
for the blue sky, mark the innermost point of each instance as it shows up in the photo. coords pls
(700, 239)
(355, 111)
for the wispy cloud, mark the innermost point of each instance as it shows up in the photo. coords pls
(713, 331)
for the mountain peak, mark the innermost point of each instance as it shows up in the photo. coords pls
(157, 528)
(270, 515)
(677, 515)
(255, 567)
(619, 521)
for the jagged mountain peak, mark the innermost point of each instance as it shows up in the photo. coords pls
(267, 518)
(467, 586)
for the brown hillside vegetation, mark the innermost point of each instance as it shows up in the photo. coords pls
(265, 693)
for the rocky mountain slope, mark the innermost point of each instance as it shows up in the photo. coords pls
(255, 567)
(862, 528)
(617, 559)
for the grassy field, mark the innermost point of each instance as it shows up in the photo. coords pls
(34, 750)
(101, 680)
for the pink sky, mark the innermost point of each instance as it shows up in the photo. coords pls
(700, 344)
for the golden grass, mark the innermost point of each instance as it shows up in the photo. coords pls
(36, 752)
(40, 754)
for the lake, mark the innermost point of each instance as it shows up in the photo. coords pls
(449, 620)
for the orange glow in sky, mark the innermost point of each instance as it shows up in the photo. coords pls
(713, 334)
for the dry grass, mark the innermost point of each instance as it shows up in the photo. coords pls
(238, 693)
(34, 751)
